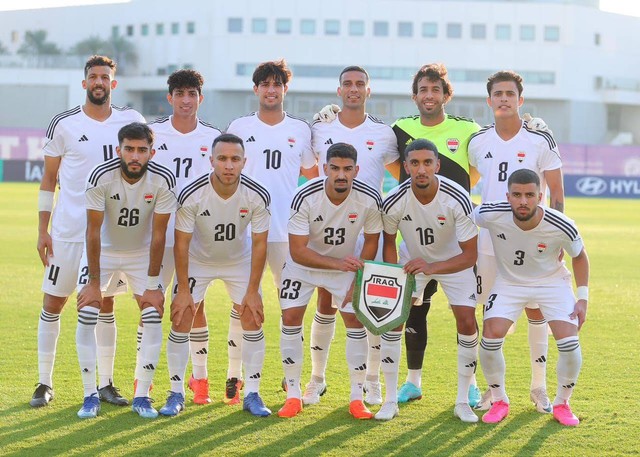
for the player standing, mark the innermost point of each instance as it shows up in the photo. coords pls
(128, 200)
(184, 146)
(278, 150)
(327, 215)
(375, 143)
(527, 240)
(496, 151)
(440, 243)
(212, 242)
(77, 140)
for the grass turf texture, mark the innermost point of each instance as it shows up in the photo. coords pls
(605, 398)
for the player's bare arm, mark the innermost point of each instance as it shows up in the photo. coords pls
(581, 273)
(90, 294)
(394, 169)
(474, 176)
(389, 248)
(466, 259)
(556, 189)
(252, 299)
(303, 255)
(309, 173)
(183, 300)
(47, 189)
(155, 297)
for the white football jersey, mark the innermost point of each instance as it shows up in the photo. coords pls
(333, 230)
(529, 257)
(375, 142)
(187, 155)
(219, 226)
(432, 231)
(274, 155)
(82, 143)
(128, 208)
(495, 159)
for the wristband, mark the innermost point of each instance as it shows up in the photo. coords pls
(582, 293)
(153, 283)
(45, 200)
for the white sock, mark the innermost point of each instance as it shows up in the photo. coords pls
(48, 332)
(138, 341)
(390, 350)
(292, 358)
(415, 377)
(149, 350)
(568, 368)
(356, 350)
(323, 328)
(234, 346)
(539, 349)
(467, 363)
(494, 367)
(86, 346)
(199, 349)
(253, 347)
(177, 358)
(106, 335)
(373, 357)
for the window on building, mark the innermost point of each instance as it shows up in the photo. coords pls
(175, 28)
(596, 39)
(234, 25)
(159, 29)
(191, 28)
(527, 33)
(503, 32)
(454, 30)
(332, 27)
(405, 29)
(356, 28)
(307, 27)
(258, 25)
(551, 33)
(283, 26)
(429, 29)
(380, 28)
(129, 30)
(144, 29)
(115, 31)
(478, 31)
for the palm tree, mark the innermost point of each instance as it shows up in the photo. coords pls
(90, 46)
(123, 52)
(3, 49)
(36, 44)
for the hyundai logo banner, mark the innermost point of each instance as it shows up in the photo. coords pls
(602, 186)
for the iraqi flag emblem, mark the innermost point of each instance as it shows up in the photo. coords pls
(441, 219)
(203, 150)
(521, 156)
(542, 247)
(291, 141)
(453, 144)
(243, 212)
(353, 217)
(382, 295)
(148, 198)
(370, 144)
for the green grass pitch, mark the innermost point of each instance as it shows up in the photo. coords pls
(606, 398)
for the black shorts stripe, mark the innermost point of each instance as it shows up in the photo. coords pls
(303, 193)
(58, 117)
(459, 196)
(192, 187)
(257, 188)
(103, 168)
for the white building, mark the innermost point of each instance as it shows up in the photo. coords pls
(581, 65)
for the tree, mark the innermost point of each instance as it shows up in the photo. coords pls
(123, 52)
(3, 49)
(90, 46)
(36, 44)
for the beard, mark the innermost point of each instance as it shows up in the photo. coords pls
(133, 174)
(525, 217)
(99, 100)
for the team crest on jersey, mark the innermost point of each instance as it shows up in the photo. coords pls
(382, 295)
(243, 212)
(370, 144)
(521, 156)
(441, 219)
(453, 144)
(353, 217)
(291, 141)
(204, 149)
(148, 198)
(542, 247)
